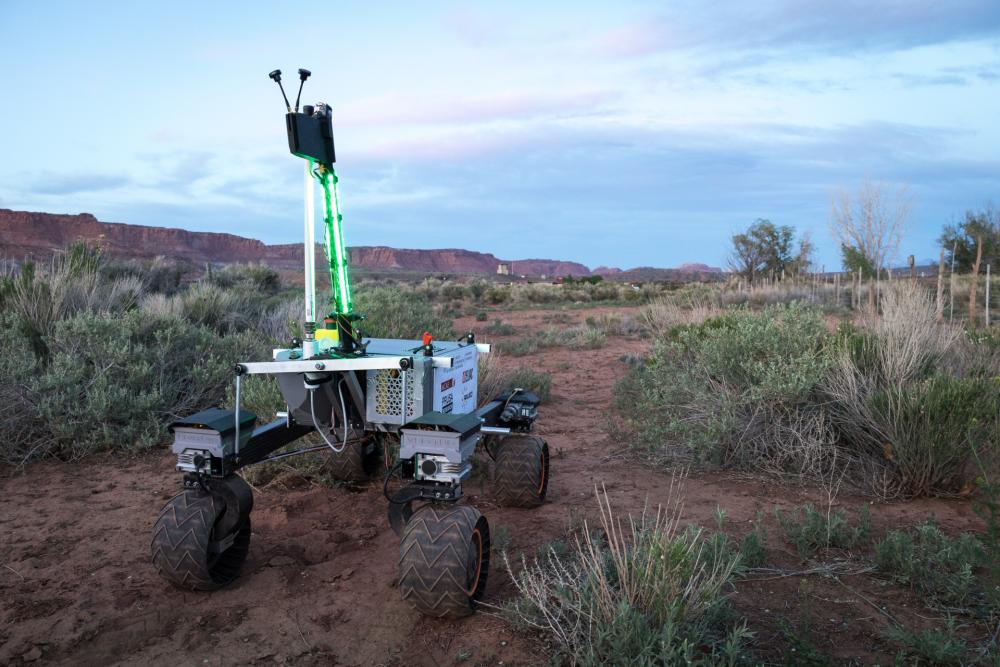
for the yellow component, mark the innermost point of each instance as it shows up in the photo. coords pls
(328, 334)
(327, 339)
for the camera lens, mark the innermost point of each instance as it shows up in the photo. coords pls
(428, 467)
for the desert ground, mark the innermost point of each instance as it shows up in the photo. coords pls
(77, 587)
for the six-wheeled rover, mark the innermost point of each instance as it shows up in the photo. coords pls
(410, 404)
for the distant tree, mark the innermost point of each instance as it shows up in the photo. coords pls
(568, 280)
(854, 261)
(763, 250)
(960, 240)
(804, 259)
(870, 225)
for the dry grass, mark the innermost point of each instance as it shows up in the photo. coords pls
(588, 598)
(662, 315)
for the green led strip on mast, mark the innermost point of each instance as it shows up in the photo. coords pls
(336, 253)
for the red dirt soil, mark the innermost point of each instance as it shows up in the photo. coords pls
(77, 586)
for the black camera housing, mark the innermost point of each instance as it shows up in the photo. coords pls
(310, 134)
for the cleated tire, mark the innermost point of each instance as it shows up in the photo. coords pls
(521, 471)
(356, 463)
(444, 560)
(183, 543)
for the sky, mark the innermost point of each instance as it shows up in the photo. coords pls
(618, 134)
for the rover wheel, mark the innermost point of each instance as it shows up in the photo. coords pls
(356, 463)
(521, 472)
(185, 549)
(444, 559)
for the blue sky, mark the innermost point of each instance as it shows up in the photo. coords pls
(618, 133)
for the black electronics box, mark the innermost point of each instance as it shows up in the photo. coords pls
(310, 134)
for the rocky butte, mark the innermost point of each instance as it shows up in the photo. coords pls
(27, 234)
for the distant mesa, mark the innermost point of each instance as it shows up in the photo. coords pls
(694, 267)
(25, 234)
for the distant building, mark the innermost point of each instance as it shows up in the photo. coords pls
(503, 269)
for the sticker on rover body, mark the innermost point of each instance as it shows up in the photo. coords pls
(447, 403)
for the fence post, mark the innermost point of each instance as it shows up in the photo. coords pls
(987, 295)
(951, 285)
(939, 302)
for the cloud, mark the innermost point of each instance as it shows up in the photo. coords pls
(78, 183)
(922, 80)
(474, 26)
(516, 105)
(842, 27)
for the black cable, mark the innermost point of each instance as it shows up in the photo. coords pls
(385, 483)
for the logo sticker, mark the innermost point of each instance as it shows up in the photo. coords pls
(447, 384)
(447, 403)
(466, 375)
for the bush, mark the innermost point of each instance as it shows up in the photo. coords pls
(587, 337)
(112, 382)
(520, 347)
(71, 284)
(494, 377)
(931, 429)
(810, 530)
(933, 647)
(158, 276)
(258, 279)
(937, 566)
(454, 291)
(641, 592)
(738, 389)
(499, 328)
(900, 409)
(901, 403)
(481, 316)
(527, 378)
(391, 312)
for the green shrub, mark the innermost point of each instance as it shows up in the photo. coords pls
(939, 567)
(454, 291)
(739, 389)
(112, 382)
(932, 427)
(906, 402)
(497, 295)
(223, 310)
(811, 530)
(644, 593)
(520, 347)
(258, 279)
(932, 647)
(72, 283)
(524, 377)
(499, 328)
(477, 288)
(587, 338)
(391, 312)
(158, 275)
(986, 504)
(753, 546)
(481, 316)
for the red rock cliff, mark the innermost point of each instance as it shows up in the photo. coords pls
(29, 234)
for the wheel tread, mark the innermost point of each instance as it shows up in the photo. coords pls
(518, 471)
(433, 560)
(179, 547)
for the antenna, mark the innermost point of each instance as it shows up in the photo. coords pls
(276, 77)
(303, 75)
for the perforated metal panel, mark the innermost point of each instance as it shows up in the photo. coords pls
(386, 401)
